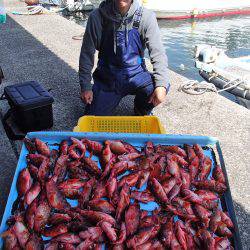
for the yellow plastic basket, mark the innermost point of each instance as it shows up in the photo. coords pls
(120, 124)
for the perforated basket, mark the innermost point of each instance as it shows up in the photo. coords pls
(120, 124)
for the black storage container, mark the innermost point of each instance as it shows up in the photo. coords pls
(30, 106)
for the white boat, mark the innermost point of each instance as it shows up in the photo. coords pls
(183, 9)
(231, 74)
(78, 5)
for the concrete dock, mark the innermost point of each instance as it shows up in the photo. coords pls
(41, 48)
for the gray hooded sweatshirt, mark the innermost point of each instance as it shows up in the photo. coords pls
(149, 33)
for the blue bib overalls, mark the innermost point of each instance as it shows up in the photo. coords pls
(121, 71)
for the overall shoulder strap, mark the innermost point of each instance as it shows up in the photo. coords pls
(137, 17)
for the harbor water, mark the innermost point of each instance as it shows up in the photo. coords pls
(180, 37)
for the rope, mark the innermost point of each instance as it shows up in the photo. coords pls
(37, 9)
(78, 37)
(194, 87)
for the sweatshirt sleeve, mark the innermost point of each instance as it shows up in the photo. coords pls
(90, 43)
(156, 50)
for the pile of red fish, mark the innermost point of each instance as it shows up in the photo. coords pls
(107, 210)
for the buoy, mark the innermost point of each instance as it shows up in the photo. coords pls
(182, 66)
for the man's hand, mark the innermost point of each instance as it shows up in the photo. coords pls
(87, 96)
(158, 96)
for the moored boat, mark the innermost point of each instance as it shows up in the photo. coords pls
(226, 73)
(184, 9)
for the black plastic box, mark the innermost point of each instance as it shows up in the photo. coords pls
(30, 106)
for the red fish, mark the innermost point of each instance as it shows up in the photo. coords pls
(52, 246)
(149, 148)
(173, 168)
(10, 240)
(194, 168)
(61, 167)
(226, 219)
(30, 145)
(43, 171)
(32, 193)
(111, 186)
(92, 167)
(223, 230)
(129, 157)
(140, 238)
(96, 216)
(211, 185)
(214, 221)
(119, 168)
(68, 238)
(169, 184)
(132, 218)
(34, 243)
(76, 147)
(130, 148)
(93, 146)
(122, 235)
(218, 175)
(117, 147)
(143, 178)
(190, 152)
(85, 245)
(72, 183)
(199, 151)
(175, 149)
(102, 206)
(106, 155)
(21, 232)
(63, 148)
(179, 159)
(24, 182)
(33, 171)
(86, 193)
(203, 214)
(55, 230)
(205, 165)
(42, 216)
(99, 190)
(123, 202)
(222, 243)
(175, 245)
(55, 198)
(158, 191)
(36, 159)
(186, 179)
(208, 240)
(174, 191)
(206, 195)
(92, 233)
(108, 230)
(42, 148)
(30, 214)
(143, 197)
(58, 218)
(192, 197)
(181, 234)
(130, 179)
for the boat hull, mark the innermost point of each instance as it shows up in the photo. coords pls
(185, 9)
(203, 14)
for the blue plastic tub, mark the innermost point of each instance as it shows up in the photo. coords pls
(211, 146)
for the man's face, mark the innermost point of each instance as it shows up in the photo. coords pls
(121, 4)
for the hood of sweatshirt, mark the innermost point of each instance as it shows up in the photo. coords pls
(108, 10)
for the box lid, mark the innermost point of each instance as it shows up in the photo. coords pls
(28, 95)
